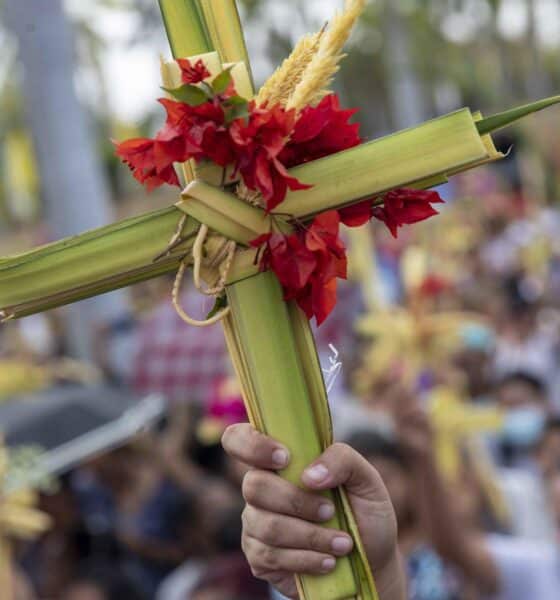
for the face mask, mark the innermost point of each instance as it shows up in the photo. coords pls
(523, 426)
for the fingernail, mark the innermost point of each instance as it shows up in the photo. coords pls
(317, 473)
(341, 545)
(328, 565)
(280, 457)
(326, 512)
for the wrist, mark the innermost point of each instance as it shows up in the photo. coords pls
(391, 579)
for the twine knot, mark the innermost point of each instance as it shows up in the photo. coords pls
(215, 257)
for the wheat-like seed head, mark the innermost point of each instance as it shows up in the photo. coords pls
(325, 63)
(282, 83)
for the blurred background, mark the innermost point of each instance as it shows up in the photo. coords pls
(456, 323)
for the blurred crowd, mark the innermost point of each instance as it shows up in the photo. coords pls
(449, 386)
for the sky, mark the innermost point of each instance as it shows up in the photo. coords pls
(132, 71)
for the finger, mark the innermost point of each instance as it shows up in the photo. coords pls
(281, 531)
(265, 490)
(264, 559)
(255, 449)
(340, 465)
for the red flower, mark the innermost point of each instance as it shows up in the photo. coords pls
(150, 161)
(307, 264)
(192, 74)
(258, 143)
(405, 207)
(272, 140)
(434, 285)
(190, 132)
(321, 131)
(400, 207)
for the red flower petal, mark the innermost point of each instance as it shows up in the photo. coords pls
(193, 73)
(324, 300)
(178, 115)
(407, 206)
(321, 131)
(292, 262)
(137, 153)
(356, 215)
(308, 263)
(258, 142)
(144, 158)
(261, 240)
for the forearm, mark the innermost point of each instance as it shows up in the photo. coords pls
(450, 536)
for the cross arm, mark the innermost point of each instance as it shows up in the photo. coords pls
(124, 253)
(92, 263)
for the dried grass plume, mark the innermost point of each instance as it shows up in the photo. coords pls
(282, 83)
(320, 71)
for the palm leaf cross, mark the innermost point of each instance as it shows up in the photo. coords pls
(269, 340)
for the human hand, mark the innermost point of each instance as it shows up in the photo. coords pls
(413, 428)
(282, 531)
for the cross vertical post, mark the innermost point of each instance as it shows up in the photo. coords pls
(283, 400)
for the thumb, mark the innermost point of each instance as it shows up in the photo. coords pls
(341, 465)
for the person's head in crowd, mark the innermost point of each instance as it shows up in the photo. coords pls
(102, 582)
(473, 359)
(548, 449)
(524, 399)
(212, 458)
(522, 306)
(223, 408)
(389, 460)
(117, 470)
(521, 390)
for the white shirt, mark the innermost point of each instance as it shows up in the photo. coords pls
(180, 583)
(528, 570)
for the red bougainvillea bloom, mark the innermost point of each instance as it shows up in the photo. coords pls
(400, 207)
(322, 238)
(308, 263)
(259, 140)
(203, 130)
(321, 131)
(149, 161)
(405, 207)
(192, 74)
(190, 132)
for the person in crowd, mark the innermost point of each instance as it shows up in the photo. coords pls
(101, 582)
(213, 563)
(429, 578)
(524, 400)
(524, 343)
(547, 452)
(52, 560)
